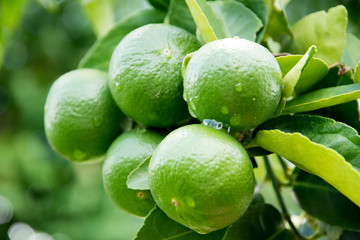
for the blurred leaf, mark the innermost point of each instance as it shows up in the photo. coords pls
(323, 98)
(351, 55)
(259, 222)
(162, 5)
(138, 178)
(260, 9)
(326, 30)
(318, 145)
(292, 77)
(278, 24)
(101, 15)
(236, 19)
(297, 9)
(99, 55)
(314, 71)
(180, 15)
(357, 73)
(206, 21)
(154, 228)
(10, 13)
(316, 197)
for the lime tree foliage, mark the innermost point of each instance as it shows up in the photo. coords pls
(222, 100)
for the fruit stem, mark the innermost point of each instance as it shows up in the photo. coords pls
(276, 186)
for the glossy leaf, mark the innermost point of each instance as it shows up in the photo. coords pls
(260, 222)
(315, 70)
(99, 55)
(292, 77)
(179, 15)
(357, 73)
(326, 30)
(206, 20)
(351, 55)
(323, 98)
(318, 145)
(138, 178)
(316, 197)
(260, 9)
(236, 19)
(160, 227)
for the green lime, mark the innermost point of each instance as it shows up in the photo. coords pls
(234, 81)
(81, 118)
(201, 177)
(124, 155)
(145, 74)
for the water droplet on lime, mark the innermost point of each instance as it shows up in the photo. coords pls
(190, 201)
(118, 86)
(238, 87)
(212, 123)
(235, 120)
(167, 52)
(96, 122)
(79, 155)
(224, 110)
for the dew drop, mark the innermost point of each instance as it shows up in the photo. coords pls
(235, 120)
(190, 202)
(224, 110)
(238, 87)
(79, 155)
(212, 123)
(118, 86)
(96, 122)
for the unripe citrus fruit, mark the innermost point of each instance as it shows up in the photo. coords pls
(124, 155)
(234, 81)
(201, 177)
(81, 118)
(145, 74)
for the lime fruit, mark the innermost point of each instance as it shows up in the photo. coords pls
(81, 118)
(201, 177)
(145, 74)
(234, 81)
(124, 155)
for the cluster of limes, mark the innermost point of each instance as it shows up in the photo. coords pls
(160, 77)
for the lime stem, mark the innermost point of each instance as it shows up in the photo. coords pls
(276, 186)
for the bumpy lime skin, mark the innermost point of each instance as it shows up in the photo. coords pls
(125, 154)
(234, 81)
(145, 74)
(81, 118)
(201, 178)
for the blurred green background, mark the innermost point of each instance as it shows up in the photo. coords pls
(43, 196)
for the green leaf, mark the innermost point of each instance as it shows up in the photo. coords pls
(260, 9)
(236, 19)
(260, 222)
(357, 73)
(99, 55)
(160, 227)
(278, 24)
(206, 21)
(101, 15)
(315, 70)
(291, 78)
(316, 197)
(162, 5)
(318, 145)
(323, 98)
(326, 30)
(351, 55)
(138, 178)
(179, 15)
